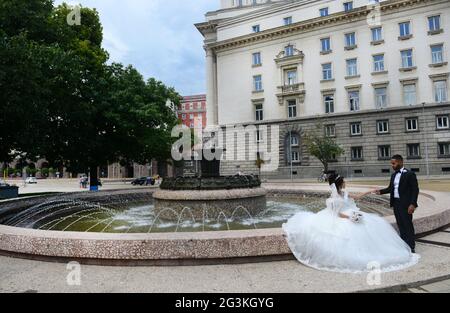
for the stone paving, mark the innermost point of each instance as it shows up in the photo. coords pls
(432, 274)
(17, 275)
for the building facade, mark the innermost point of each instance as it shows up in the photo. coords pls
(192, 111)
(373, 74)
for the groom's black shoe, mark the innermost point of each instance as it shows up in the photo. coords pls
(413, 250)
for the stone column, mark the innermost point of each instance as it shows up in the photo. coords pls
(211, 88)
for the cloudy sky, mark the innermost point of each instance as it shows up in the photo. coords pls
(157, 37)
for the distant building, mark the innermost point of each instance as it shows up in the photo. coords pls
(192, 111)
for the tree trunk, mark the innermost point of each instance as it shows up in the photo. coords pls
(325, 167)
(93, 178)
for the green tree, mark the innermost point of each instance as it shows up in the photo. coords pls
(61, 101)
(323, 147)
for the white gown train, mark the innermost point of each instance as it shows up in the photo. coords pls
(326, 241)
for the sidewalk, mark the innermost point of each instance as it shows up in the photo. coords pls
(430, 275)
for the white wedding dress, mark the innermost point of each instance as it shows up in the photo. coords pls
(326, 241)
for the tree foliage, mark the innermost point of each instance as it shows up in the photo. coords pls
(323, 147)
(62, 101)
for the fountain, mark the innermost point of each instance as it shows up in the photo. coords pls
(207, 194)
(199, 217)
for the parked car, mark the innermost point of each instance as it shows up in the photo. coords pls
(143, 181)
(31, 180)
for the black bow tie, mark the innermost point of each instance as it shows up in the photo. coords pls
(398, 172)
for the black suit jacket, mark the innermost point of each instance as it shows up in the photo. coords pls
(408, 189)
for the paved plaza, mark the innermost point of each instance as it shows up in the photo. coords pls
(432, 274)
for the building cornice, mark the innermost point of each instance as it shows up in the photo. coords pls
(312, 24)
(357, 114)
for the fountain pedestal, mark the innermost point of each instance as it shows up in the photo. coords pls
(209, 204)
(209, 195)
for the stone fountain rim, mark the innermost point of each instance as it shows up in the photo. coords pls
(214, 246)
(221, 194)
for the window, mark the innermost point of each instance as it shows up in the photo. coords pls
(434, 23)
(292, 147)
(350, 40)
(407, 58)
(378, 63)
(352, 67)
(377, 34)
(257, 83)
(191, 116)
(405, 29)
(256, 58)
(292, 108)
(326, 44)
(291, 77)
(289, 50)
(354, 100)
(287, 20)
(356, 129)
(444, 149)
(437, 54)
(413, 150)
(259, 112)
(329, 103)
(323, 12)
(330, 130)
(384, 152)
(259, 136)
(381, 97)
(383, 127)
(183, 116)
(409, 94)
(348, 6)
(192, 125)
(256, 28)
(440, 91)
(357, 153)
(327, 73)
(442, 122)
(412, 124)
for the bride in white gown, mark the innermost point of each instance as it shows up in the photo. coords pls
(341, 238)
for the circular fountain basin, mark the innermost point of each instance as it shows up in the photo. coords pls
(212, 204)
(153, 243)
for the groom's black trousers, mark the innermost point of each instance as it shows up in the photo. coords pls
(405, 224)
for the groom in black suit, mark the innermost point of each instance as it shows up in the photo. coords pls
(404, 191)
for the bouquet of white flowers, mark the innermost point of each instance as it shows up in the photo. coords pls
(356, 217)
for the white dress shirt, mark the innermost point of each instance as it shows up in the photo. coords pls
(397, 183)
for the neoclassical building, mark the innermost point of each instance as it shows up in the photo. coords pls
(375, 74)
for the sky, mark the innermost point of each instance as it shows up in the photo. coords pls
(158, 37)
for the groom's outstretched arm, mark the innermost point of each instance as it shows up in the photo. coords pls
(386, 190)
(414, 187)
